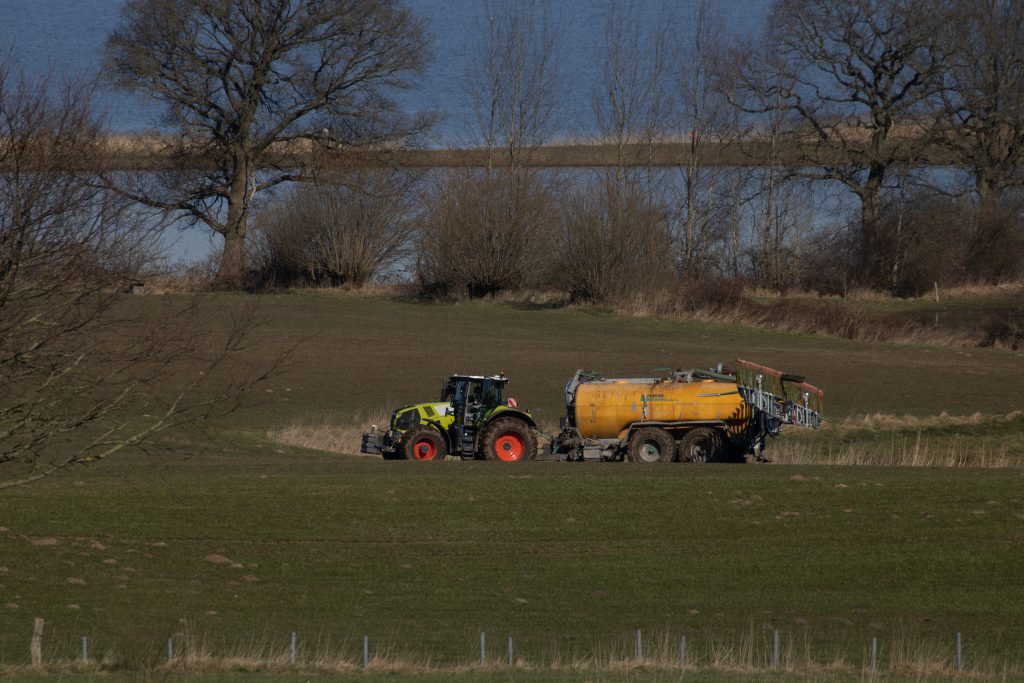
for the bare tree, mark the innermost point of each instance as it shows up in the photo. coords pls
(707, 195)
(487, 230)
(984, 100)
(512, 80)
(779, 204)
(614, 241)
(86, 372)
(614, 238)
(631, 103)
(252, 86)
(856, 75)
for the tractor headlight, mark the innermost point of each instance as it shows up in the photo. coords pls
(407, 420)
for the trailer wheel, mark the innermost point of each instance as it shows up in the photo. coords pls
(651, 444)
(423, 443)
(702, 444)
(508, 439)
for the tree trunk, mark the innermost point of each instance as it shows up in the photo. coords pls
(234, 261)
(990, 192)
(873, 246)
(231, 274)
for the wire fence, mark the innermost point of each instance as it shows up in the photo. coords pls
(750, 652)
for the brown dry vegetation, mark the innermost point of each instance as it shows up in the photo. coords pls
(340, 435)
(907, 441)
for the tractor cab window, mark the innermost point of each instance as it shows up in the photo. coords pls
(492, 392)
(475, 392)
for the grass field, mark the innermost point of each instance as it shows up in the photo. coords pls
(227, 540)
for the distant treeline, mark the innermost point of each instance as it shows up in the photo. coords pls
(831, 118)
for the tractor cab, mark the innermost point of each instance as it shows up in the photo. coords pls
(471, 397)
(470, 390)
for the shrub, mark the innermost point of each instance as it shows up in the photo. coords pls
(345, 234)
(614, 244)
(485, 232)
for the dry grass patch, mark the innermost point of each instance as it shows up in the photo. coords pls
(901, 452)
(906, 441)
(333, 436)
(878, 422)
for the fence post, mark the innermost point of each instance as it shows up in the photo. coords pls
(483, 648)
(36, 646)
(775, 649)
(959, 652)
(682, 650)
(639, 645)
(170, 649)
(366, 651)
(85, 648)
(874, 655)
(511, 659)
(295, 648)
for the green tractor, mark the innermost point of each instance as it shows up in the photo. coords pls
(472, 420)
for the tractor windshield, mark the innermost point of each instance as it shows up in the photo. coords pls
(454, 390)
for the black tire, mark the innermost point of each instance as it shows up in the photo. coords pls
(651, 444)
(423, 443)
(508, 439)
(702, 444)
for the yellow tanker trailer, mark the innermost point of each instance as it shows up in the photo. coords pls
(688, 416)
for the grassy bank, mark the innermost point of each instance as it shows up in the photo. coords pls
(365, 354)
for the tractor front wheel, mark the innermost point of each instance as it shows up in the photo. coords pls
(651, 444)
(423, 444)
(508, 439)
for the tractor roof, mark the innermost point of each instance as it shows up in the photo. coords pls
(496, 378)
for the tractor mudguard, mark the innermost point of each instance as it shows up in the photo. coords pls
(509, 412)
(444, 433)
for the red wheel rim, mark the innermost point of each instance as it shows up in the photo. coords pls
(424, 449)
(509, 447)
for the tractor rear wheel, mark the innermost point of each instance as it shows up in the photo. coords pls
(701, 445)
(423, 443)
(651, 444)
(508, 439)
